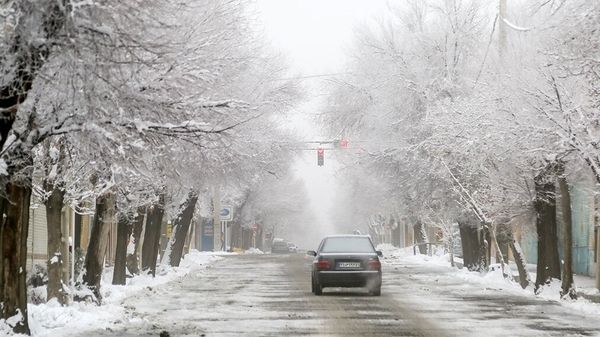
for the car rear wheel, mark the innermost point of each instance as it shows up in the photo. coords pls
(317, 288)
(375, 291)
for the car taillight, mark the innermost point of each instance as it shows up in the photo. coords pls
(323, 264)
(374, 264)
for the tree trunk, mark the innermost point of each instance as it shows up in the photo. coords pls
(181, 228)
(515, 247)
(56, 246)
(548, 265)
(420, 237)
(475, 245)
(123, 232)
(499, 254)
(485, 237)
(469, 237)
(504, 238)
(133, 251)
(258, 239)
(58, 252)
(152, 236)
(189, 240)
(14, 206)
(450, 245)
(13, 243)
(94, 259)
(567, 288)
(396, 236)
(524, 278)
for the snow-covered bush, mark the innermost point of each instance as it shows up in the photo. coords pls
(38, 276)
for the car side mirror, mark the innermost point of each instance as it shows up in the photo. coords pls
(311, 253)
(379, 253)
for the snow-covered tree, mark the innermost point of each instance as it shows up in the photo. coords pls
(134, 87)
(456, 101)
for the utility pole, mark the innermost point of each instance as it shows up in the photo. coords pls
(217, 226)
(493, 252)
(502, 27)
(597, 234)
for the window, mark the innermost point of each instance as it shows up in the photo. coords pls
(348, 245)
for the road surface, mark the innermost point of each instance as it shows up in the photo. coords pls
(269, 295)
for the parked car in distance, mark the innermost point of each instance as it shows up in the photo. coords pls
(279, 246)
(346, 261)
(292, 247)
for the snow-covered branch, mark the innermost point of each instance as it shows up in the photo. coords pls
(515, 27)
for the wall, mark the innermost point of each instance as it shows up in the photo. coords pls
(582, 208)
(37, 238)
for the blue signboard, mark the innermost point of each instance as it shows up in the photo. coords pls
(226, 213)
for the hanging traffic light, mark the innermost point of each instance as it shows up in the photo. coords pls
(340, 143)
(320, 156)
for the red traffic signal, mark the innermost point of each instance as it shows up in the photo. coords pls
(320, 156)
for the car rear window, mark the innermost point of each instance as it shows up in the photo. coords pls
(347, 245)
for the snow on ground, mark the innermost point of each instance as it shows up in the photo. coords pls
(494, 279)
(52, 319)
(253, 251)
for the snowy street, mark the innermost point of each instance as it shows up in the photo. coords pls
(161, 163)
(269, 295)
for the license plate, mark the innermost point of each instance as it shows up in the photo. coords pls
(349, 265)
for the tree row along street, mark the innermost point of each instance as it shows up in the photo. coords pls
(269, 295)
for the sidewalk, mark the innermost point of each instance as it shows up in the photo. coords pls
(585, 285)
(52, 319)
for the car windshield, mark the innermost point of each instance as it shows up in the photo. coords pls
(347, 245)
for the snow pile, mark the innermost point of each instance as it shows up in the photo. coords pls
(387, 248)
(494, 278)
(407, 254)
(583, 306)
(390, 251)
(6, 325)
(253, 251)
(52, 319)
(3, 172)
(5, 329)
(222, 253)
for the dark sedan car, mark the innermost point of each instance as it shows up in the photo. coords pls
(346, 261)
(279, 247)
